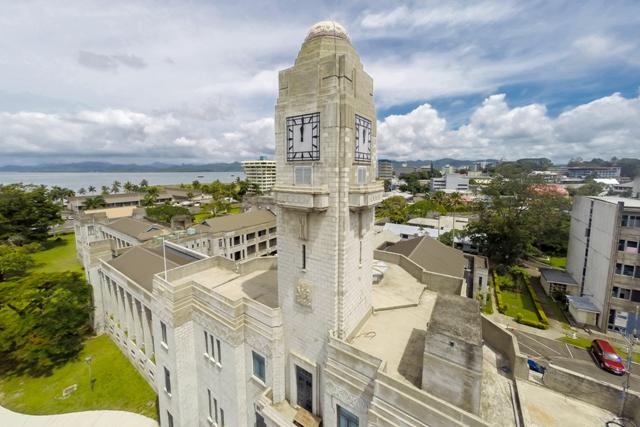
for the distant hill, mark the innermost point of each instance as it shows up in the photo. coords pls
(113, 167)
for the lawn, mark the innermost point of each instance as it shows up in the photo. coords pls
(558, 262)
(118, 386)
(519, 303)
(59, 254)
(586, 343)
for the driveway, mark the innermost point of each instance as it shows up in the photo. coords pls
(544, 351)
(76, 419)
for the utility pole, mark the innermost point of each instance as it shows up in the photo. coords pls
(631, 340)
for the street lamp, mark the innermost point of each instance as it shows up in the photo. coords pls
(89, 359)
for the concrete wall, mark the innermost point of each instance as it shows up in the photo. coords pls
(598, 393)
(504, 342)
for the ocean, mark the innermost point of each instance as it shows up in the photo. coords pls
(77, 180)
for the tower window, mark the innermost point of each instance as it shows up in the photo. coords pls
(304, 257)
(303, 175)
(362, 175)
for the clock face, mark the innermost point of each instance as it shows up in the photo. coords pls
(303, 137)
(363, 140)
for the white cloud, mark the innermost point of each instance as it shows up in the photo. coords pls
(606, 127)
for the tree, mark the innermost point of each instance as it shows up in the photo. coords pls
(518, 216)
(151, 197)
(115, 187)
(26, 213)
(95, 202)
(195, 184)
(104, 190)
(43, 321)
(447, 238)
(394, 208)
(92, 189)
(164, 212)
(144, 184)
(422, 208)
(14, 261)
(129, 187)
(589, 188)
(82, 191)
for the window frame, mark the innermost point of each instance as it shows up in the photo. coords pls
(262, 362)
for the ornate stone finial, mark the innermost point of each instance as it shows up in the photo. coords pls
(327, 28)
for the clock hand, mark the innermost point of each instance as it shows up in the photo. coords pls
(302, 132)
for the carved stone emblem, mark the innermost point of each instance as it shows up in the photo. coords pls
(303, 293)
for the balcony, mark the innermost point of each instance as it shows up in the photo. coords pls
(365, 196)
(305, 198)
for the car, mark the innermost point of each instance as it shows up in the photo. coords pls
(606, 357)
(535, 366)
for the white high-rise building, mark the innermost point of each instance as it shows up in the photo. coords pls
(260, 172)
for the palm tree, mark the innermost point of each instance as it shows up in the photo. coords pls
(92, 189)
(94, 202)
(105, 190)
(144, 184)
(82, 191)
(115, 187)
(128, 187)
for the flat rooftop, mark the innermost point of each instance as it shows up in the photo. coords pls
(628, 203)
(260, 285)
(395, 331)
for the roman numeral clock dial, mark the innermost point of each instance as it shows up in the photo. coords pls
(363, 140)
(303, 137)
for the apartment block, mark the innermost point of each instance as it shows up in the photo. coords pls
(603, 259)
(260, 172)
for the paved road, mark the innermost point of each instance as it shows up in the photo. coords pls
(544, 350)
(76, 419)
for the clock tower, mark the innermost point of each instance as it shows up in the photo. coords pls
(326, 191)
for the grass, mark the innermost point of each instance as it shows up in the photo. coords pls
(586, 343)
(118, 386)
(559, 262)
(519, 303)
(59, 255)
(202, 215)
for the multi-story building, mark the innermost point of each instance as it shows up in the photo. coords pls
(166, 195)
(261, 172)
(593, 172)
(385, 169)
(603, 259)
(450, 182)
(304, 338)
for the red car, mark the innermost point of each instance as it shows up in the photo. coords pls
(607, 357)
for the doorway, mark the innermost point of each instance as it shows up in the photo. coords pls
(304, 389)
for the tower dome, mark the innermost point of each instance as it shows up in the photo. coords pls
(327, 28)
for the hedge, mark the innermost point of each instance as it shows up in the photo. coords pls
(541, 314)
(543, 321)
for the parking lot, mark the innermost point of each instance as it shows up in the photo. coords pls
(544, 350)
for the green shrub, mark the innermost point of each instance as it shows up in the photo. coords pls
(542, 316)
(531, 323)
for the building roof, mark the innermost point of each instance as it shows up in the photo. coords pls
(385, 236)
(400, 229)
(431, 255)
(628, 203)
(114, 213)
(235, 222)
(138, 229)
(553, 275)
(140, 264)
(582, 303)
(457, 317)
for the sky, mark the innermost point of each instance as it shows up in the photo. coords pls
(195, 81)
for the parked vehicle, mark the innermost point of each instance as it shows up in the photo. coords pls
(606, 357)
(535, 366)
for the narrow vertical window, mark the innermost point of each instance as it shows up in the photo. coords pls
(169, 419)
(206, 343)
(215, 409)
(209, 403)
(222, 417)
(304, 257)
(219, 359)
(213, 348)
(167, 381)
(163, 330)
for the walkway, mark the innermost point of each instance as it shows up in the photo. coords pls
(76, 419)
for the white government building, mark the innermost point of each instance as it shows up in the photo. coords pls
(302, 338)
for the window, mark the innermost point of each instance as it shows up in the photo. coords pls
(221, 417)
(302, 175)
(219, 358)
(346, 418)
(236, 240)
(167, 381)
(627, 270)
(206, 343)
(169, 419)
(258, 366)
(621, 245)
(260, 421)
(215, 409)
(272, 230)
(219, 243)
(635, 296)
(262, 233)
(637, 273)
(237, 256)
(304, 256)
(618, 268)
(251, 236)
(632, 247)
(619, 292)
(210, 404)
(163, 330)
(272, 242)
(362, 175)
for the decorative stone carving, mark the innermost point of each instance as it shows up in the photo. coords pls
(355, 401)
(303, 293)
(234, 338)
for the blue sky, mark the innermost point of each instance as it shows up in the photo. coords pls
(195, 81)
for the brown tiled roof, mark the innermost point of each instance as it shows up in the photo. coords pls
(431, 255)
(141, 230)
(235, 222)
(140, 264)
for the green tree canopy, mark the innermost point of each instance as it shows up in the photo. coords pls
(94, 202)
(394, 208)
(26, 213)
(43, 321)
(14, 261)
(164, 212)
